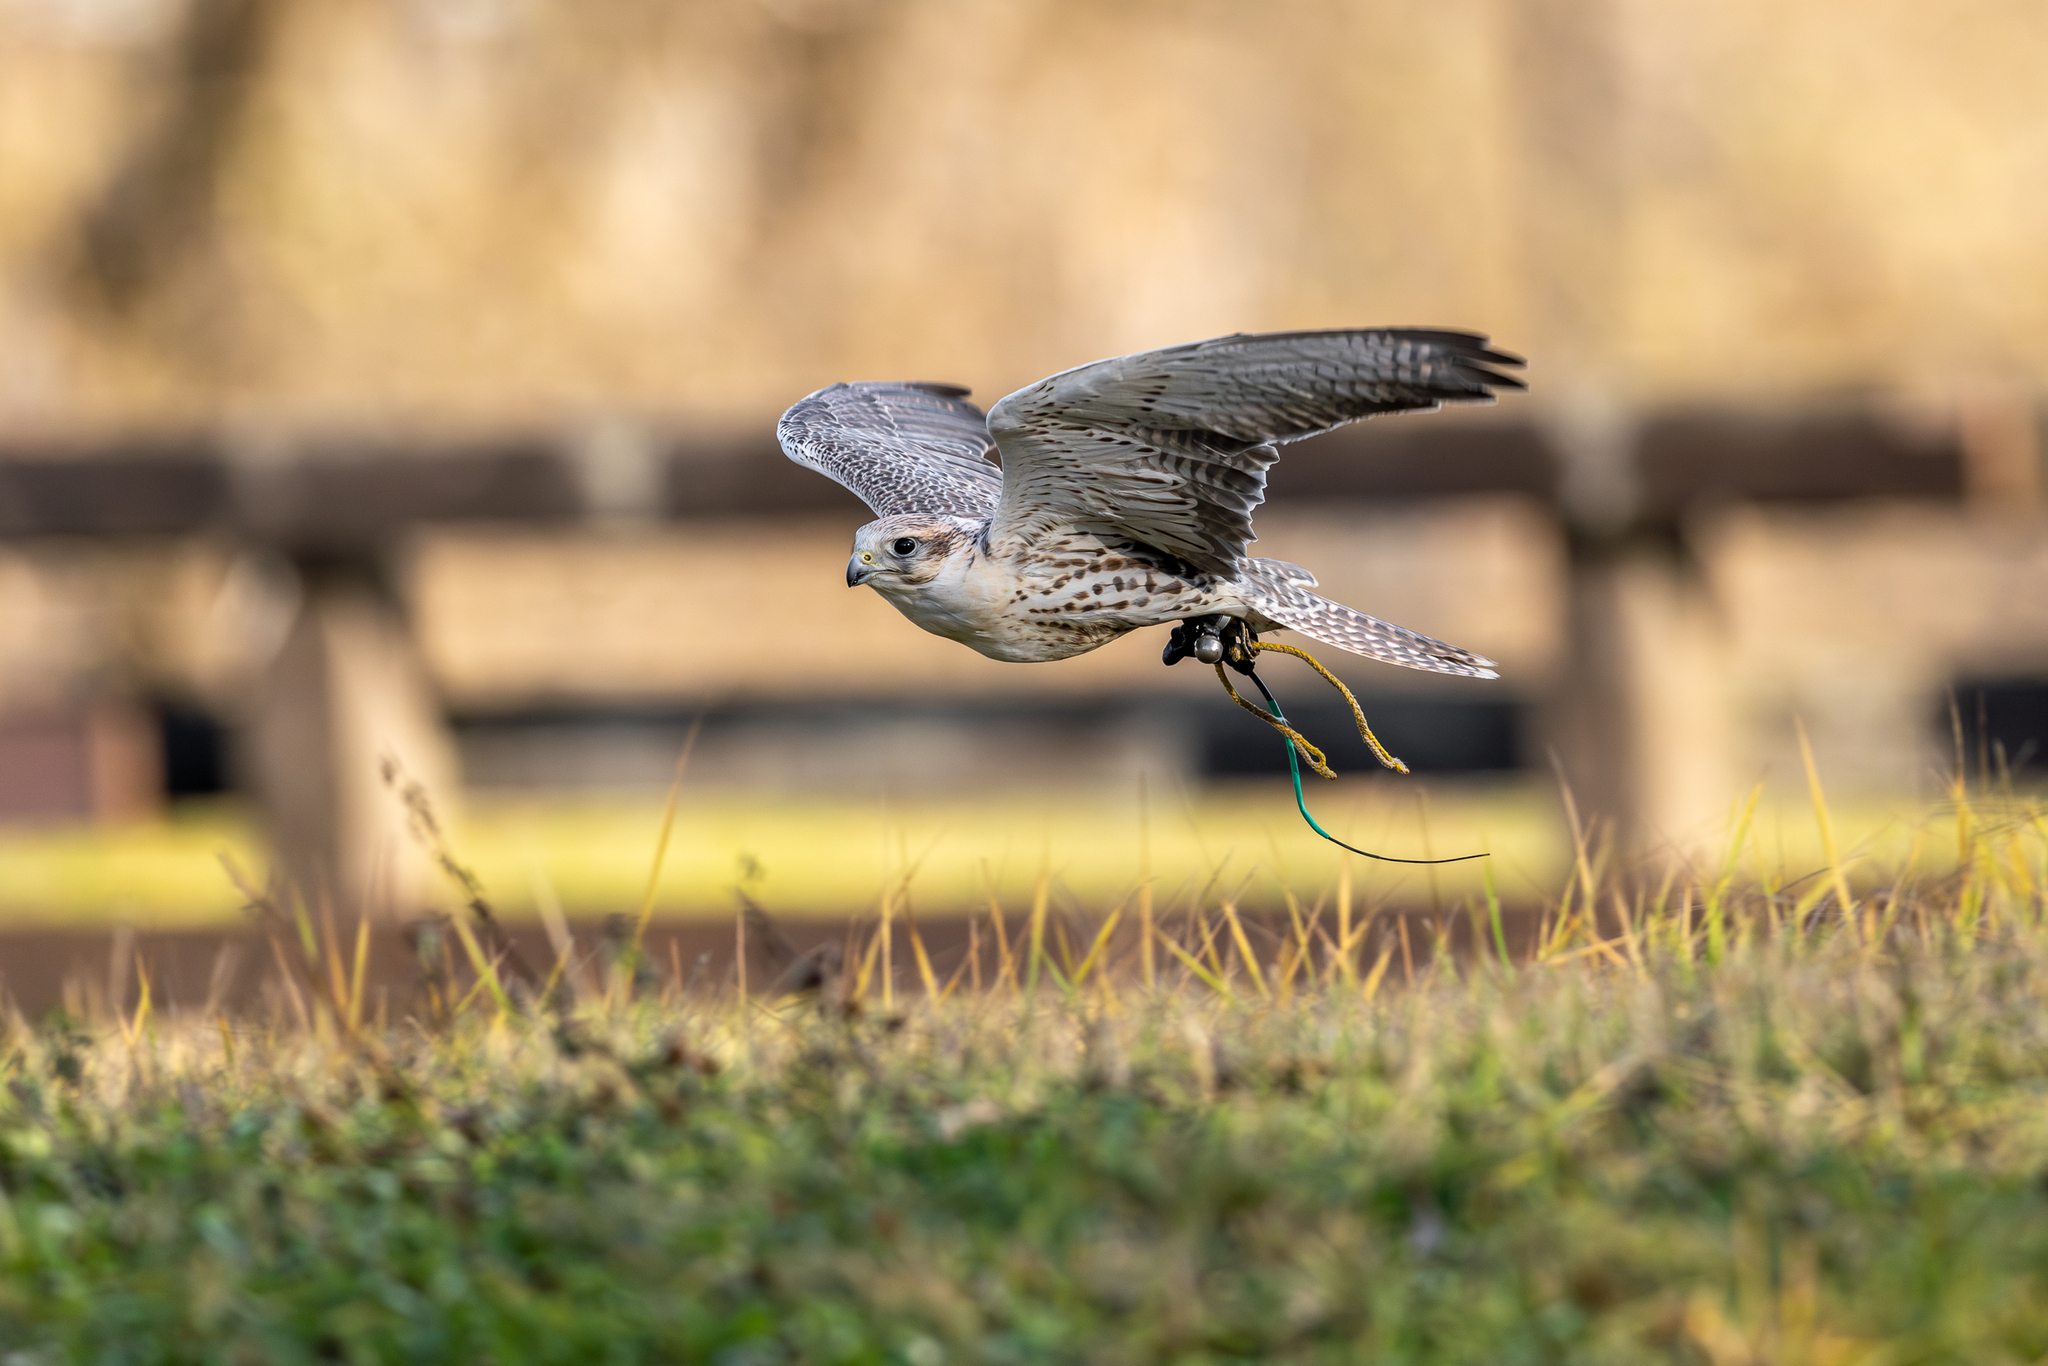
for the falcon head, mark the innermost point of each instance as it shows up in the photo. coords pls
(908, 550)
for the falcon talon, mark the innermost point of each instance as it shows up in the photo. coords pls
(1181, 645)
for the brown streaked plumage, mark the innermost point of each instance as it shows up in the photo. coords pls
(1125, 493)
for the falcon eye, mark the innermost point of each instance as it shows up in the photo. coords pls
(903, 545)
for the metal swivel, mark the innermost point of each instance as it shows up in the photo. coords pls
(1203, 638)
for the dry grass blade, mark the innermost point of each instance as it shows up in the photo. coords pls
(359, 975)
(1099, 945)
(1371, 986)
(1214, 982)
(485, 967)
(924, 962)
(1827, 827)
(425, 829)
(1040, 897)
(1246, 957)
(139, 1022)
(668, 825)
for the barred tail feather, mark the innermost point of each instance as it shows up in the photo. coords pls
(1333, 623)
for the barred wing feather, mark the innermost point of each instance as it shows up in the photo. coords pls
(1170, 448)
(899, 447)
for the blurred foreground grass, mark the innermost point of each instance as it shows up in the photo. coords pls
(1736, 1122)
(835, 857)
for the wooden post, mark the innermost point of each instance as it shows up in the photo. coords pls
(347, 692)
(1641, 724)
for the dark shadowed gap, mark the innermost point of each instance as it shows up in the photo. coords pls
(194, 749)
(1433, 735)
(2005, 725)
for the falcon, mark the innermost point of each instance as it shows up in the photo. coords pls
(1119, 495)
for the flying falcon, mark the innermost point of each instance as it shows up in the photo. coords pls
(1125, 490)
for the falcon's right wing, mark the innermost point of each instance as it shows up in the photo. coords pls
(1170, 448)
(899, 447)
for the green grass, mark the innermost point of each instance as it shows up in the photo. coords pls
(1730, 1121)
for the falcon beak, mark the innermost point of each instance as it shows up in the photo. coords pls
(859, 570)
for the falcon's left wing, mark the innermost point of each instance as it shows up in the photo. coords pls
(1170, 448)
(900, 447)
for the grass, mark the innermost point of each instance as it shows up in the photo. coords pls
(1720, 1117)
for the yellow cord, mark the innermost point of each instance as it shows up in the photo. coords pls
(1308, 751)
(1357, 712)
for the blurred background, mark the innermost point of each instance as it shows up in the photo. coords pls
(396, 379)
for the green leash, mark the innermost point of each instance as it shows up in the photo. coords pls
(1294, 769)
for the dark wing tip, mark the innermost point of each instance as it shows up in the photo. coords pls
(1474, 359)
(1469, 349)
(1493, 379)
(1464, 345)
(937, 389)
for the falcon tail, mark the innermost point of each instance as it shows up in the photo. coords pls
(1333, 623)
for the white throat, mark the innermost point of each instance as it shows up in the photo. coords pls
(961, 602)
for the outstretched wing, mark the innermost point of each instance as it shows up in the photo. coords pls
(1170, 448)
(899, 447)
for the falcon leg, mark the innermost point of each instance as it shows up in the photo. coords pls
(1210, 639)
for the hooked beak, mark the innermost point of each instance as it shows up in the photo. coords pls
(858, 573)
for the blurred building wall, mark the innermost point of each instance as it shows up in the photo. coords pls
(494, 211)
